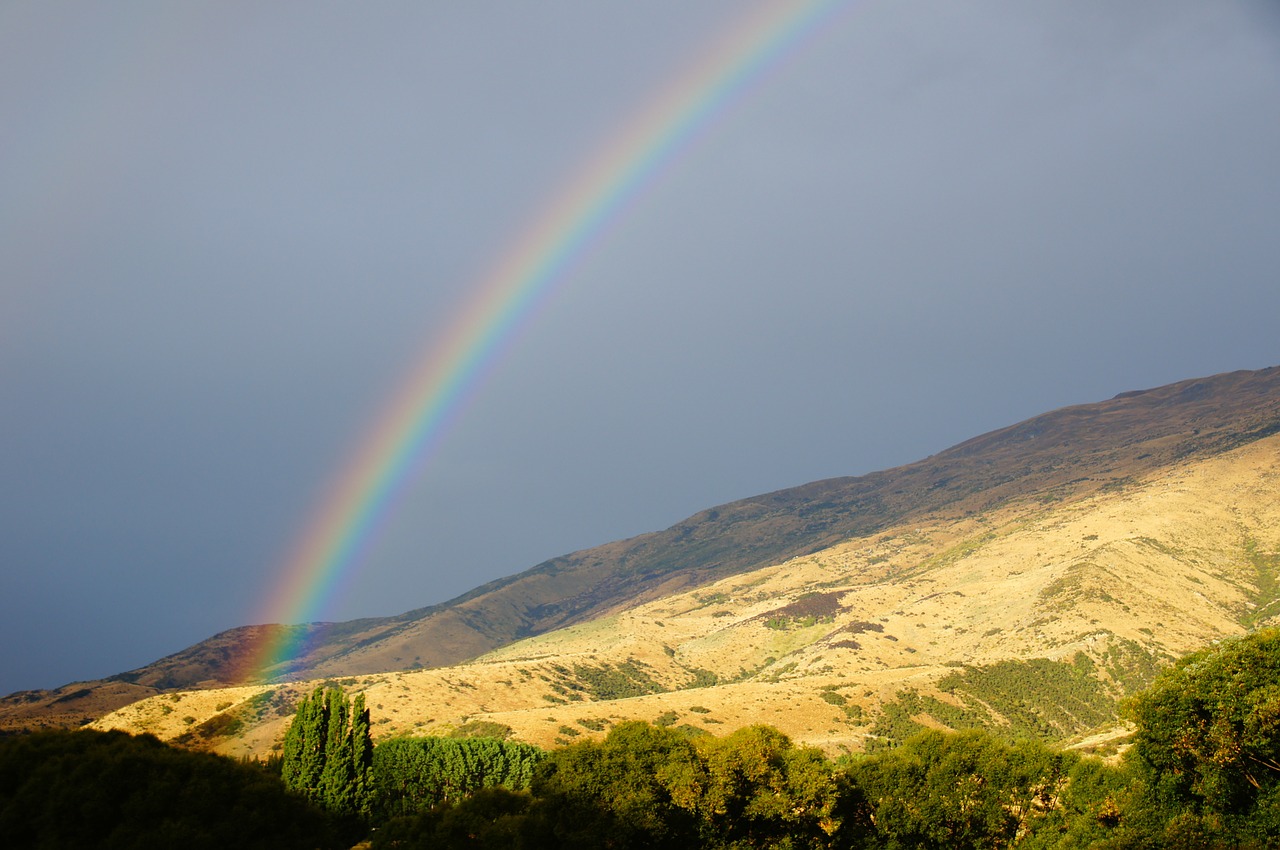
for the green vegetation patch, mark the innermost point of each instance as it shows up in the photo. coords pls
(1266, 601)
(1130, 666)
(1080, 583)
(667, 718)
(833, 698)
(631, 678)
(108, 789)
(229, 724)
(482, 729)
(1041, 699)
(413, 774)
(852, 711)
(713, 599)
(701, 679)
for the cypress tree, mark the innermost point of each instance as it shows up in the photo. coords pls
(328, 752)
(337, 775)
(361, 756)
(304, 746)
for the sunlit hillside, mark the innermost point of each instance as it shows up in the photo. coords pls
(1033, 616)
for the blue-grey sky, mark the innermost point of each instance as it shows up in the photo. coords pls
(227, 229)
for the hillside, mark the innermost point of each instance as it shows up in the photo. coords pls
(1063, 455)
(1033, 616)
(1023, 579)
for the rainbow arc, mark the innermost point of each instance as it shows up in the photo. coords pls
(409, 431)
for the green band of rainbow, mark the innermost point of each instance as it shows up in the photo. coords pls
(409, 431)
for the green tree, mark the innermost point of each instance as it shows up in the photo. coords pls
(1207, 741)
(328, 752)
(763, 791)
(410, 775)
(636, 788)
(961, 790)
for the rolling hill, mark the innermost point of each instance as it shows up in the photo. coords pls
(1023, 579)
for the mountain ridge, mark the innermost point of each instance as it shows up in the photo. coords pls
(755, 531)
(1063, 454)
(1030, 619)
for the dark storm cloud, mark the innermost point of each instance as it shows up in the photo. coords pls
(227, 230)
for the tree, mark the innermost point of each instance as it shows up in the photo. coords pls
(964, 789)
(763, 791)
(328, 753)
(411, 775)
(636, 788)
(647, 786)
(1208, 736)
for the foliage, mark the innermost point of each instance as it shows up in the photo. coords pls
(961, 790)
(763, 791)
(633, 789)
(646, 786)
(1042, 698)
(1038, 698)
(630, 678)
(328, 752)
(1266, 602)
(616, 681)
(482, 729)
(1208, 734)
(1203, 772)
(702, 678)
(88, 789)
(413, 774)
(495, 817)
(1129, 665)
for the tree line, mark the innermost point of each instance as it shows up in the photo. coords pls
(1202, 771)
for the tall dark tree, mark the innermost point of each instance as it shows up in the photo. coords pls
(328, 752)
(304, 746)
(361, 756)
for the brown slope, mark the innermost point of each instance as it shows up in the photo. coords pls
(68, 707)
(214, 662)
(1068, 453)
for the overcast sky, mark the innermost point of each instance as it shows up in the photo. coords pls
(227, 230)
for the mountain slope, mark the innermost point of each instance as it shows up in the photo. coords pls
(1032, 616)
(1064, 455)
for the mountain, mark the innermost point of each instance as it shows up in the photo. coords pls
(808, 546)
(1066, 454)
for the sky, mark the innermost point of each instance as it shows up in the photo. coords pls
(229, 230)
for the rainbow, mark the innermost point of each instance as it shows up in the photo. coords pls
(428, 405)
